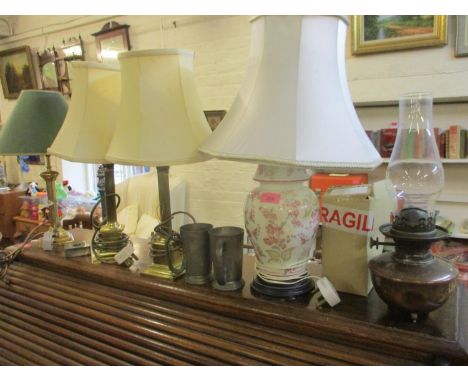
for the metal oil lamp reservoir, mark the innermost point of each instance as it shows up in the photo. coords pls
(410, 278)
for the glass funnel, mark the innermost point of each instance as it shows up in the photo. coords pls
(415, 173)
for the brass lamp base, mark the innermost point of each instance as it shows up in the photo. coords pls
(60, 237)
(162, 271)
(107, 242)
(168, 258)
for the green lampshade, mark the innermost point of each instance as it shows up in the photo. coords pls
(35, 121)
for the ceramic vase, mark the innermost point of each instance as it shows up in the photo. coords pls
(281, 219)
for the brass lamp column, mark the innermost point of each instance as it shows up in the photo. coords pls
(110, 238)
(31, 128)
(101, 186)
(164, 196)
(160, 244)
(59, 235)
(160, 123)
(85, 137)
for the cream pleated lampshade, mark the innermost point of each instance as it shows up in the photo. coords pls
(294, 106)
(88, 128)
(160, 120)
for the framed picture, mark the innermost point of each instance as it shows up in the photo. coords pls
(48, 70)
(17, 71)
(214, 117)
(461, 41)
(110, 40)
(34, 159)
(386, 33)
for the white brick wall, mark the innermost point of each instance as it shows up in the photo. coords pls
(217, 189)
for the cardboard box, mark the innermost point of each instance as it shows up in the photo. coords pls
(321, 182)
(351, 216)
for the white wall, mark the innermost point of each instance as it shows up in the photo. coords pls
(217, 189)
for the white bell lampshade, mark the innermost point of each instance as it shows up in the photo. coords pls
(295, 106)
(294, 111)
(160, 120)
(90, 122)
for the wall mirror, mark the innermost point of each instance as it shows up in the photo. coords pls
(110, 40)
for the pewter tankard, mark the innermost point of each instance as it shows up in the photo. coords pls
(196, 246)
(226, 248)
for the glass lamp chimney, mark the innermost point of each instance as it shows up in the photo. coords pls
(415, 173)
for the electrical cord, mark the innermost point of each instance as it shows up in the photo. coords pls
(299, 274)
(171, 239)
(7, 256)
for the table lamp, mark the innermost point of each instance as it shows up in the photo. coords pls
(293, 112)
(85, 137)
(30, 129)
(160, 123)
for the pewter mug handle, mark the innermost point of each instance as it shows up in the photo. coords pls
(219, 254)
(170, 262)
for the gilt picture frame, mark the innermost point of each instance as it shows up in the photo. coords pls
(389, 33)
(461, 40)
(17, 71)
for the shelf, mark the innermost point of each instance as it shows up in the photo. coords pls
(444, 160)
(394, 103)
(453, 198)
(458, 235)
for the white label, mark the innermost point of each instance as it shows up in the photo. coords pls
(347, 219)
(141, 264)
(124, 253)
(47, 241)
(354, 190)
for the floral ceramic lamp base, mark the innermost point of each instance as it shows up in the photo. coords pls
(281, 219)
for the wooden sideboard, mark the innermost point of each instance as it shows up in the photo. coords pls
(68, 311)
(10, 204)
(25, 225)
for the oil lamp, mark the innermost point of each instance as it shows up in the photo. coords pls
(410, 278)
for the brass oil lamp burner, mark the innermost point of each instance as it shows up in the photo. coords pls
(410, 278)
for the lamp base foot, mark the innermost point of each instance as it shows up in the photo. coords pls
(285, 291)
(163, 271)
(60, 237)
(105, 248)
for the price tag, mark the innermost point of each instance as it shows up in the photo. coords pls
(124, 253)
(270, 197)
(47, 241)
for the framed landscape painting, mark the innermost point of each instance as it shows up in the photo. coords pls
(461, 41)
(16, 71)
(385, 33)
